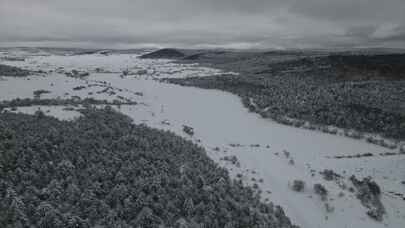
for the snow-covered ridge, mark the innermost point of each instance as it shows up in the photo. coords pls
(117, 63)
(268, 154)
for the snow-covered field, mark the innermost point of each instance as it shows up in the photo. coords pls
(268, 154)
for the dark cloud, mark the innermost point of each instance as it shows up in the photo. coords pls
(198, 23)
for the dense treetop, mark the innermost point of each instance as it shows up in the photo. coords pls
(103, 171)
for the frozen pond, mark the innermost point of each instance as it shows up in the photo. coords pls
(272, 154)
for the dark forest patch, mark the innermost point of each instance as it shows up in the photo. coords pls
(102, 170)
(11, 71)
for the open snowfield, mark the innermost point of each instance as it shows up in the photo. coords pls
(268, 154)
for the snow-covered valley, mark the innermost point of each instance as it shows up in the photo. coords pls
(261, 152)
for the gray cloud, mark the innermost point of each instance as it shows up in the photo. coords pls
(353, 11)
(199, 23)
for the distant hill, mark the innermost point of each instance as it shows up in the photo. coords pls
(349, 67)
(166, 53)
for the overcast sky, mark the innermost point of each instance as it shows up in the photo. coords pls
(204, 23)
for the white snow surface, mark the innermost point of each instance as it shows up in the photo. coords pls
(225, 127)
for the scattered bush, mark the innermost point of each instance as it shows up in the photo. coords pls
(38, 93)
(298, 185)
(321, 190)
(233, 159)
(369, 193)
(329, 208)
(79, 87)
(188, 130)
(77, 74)
(329, 175)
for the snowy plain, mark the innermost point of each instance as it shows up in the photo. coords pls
(269, 154)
